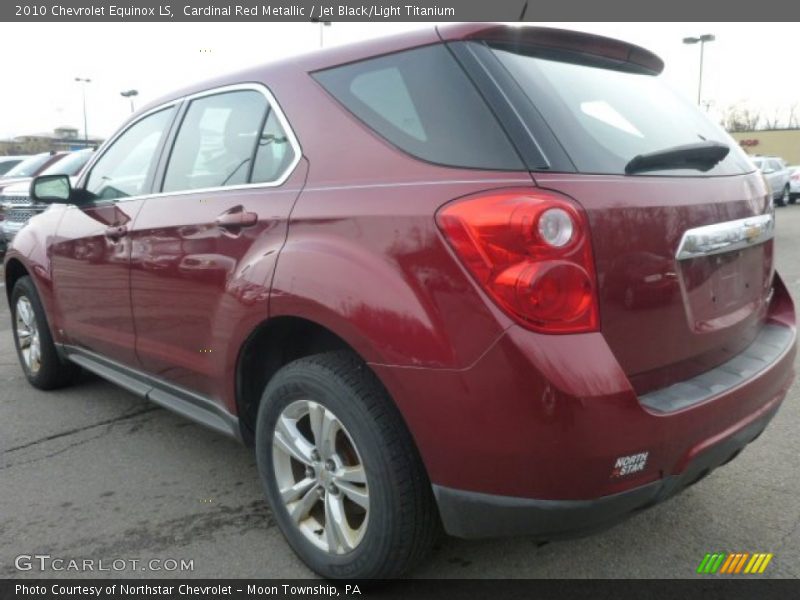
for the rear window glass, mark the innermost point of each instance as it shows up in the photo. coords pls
(604, 118)
(422, 102)
(71, 164)
(30, 166)
(5, 165)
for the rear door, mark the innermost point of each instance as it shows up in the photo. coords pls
(667, 313)
(205, 247)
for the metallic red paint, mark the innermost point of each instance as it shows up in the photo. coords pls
(349, 242)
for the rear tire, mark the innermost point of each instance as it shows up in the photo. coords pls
(36, 351)
(385, 535)
(785, 197)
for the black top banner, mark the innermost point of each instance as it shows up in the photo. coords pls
(395, 10)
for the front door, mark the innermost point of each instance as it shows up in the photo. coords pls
(91, 257)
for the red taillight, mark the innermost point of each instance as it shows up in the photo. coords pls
(530, 250)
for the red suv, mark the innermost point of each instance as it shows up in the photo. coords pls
(495, 279)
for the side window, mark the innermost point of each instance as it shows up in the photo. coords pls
(422, 102)
(124, 169)
(274, 154)
(216, 141)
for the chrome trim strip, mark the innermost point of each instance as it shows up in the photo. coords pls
(726, 237)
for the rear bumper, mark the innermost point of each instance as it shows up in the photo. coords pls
(475, 515)
(536, 436)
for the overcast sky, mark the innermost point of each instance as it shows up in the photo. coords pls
(750, 63)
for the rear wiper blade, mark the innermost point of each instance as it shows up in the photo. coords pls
(701, 156)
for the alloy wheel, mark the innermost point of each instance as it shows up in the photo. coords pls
(320, 476)
(28, 335)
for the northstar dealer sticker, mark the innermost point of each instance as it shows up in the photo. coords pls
(627, 465)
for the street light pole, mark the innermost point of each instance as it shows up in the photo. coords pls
(83, 83)
(130, 94)
(322, 25)
(707, 37)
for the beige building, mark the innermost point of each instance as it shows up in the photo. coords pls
(61, 139)
(775, 142)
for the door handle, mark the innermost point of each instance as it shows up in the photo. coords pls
(116, 232)
(237, 219)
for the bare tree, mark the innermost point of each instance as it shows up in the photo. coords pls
(739, 117)
(792, 121)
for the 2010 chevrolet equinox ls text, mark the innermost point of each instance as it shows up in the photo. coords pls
(493, 279)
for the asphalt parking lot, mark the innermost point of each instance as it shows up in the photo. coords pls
(94, 472)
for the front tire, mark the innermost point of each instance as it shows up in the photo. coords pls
(36, 351)
(341, 472)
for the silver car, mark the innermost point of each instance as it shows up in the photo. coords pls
(778, 176)
(794, 183)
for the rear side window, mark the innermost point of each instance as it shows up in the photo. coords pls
(603, 118)
(274, 153)
(422, 102)
(216, 141)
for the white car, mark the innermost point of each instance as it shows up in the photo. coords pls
(777, 175)
(9, 162)
(794, 183)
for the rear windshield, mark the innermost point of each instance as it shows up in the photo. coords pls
(29, 166)
(70, 164)
(5, 165)
(603, 118)
(422, 102)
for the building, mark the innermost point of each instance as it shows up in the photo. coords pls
(774, 142)
(61, 139)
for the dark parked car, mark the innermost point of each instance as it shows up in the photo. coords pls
(15, 199)
(30, 167)
(24, 171)
(387, 267)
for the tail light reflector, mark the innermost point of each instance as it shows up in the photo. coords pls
(530, 251)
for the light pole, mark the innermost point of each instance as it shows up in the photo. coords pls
(706, 37)
(322, 25)
(130, 94)
(83, 83)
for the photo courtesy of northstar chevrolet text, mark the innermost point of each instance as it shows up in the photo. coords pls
(343, 292)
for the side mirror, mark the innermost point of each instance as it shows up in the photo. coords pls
(51, 189)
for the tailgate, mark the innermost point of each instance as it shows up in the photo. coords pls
(684, 268)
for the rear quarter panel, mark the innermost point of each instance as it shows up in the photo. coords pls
(363, 256)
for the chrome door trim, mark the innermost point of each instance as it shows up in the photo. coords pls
(175, 102)
(726, 237)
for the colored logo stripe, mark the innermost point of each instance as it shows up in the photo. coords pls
(734, 563)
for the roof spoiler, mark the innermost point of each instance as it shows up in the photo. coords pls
(560, 44)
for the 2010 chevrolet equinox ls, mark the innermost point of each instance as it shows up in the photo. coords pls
(500, 280)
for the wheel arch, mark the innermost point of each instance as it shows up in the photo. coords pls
(14, 271)
(274, 343)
